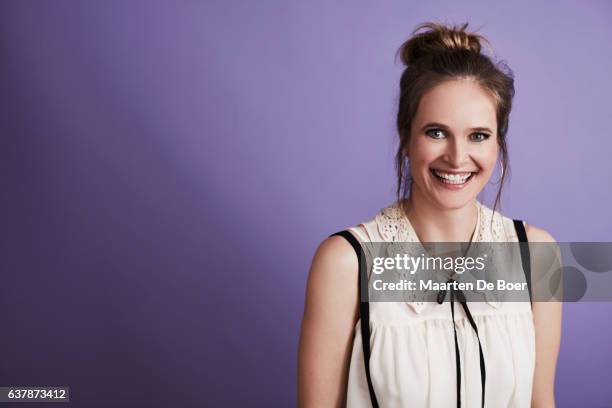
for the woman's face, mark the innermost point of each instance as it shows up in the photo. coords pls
(453, 146)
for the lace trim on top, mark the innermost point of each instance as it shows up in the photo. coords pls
(394, 226)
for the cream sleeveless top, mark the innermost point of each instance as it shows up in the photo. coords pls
(412, 361)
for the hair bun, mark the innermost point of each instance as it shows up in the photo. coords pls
(437, 39)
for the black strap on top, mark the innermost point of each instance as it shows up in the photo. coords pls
(364, 309)
(483, 372)
(525, 255)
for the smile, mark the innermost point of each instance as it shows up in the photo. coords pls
(453, 180)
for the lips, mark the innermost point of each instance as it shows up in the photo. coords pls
(453, 178)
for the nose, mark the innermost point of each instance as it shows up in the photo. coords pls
(456, 152)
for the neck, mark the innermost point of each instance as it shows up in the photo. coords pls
(434, 224)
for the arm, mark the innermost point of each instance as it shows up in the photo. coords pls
(330, 315)
(547, 323)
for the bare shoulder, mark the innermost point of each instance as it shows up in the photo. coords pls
(328, 324)
(547, 316)
(535, 234)
(335, 256)
(334, 273)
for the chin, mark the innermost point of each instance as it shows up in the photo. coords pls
(454, 191)
(453, 203)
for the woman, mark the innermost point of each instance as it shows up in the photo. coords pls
(452, 121)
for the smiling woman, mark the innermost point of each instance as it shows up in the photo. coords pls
(452, 123)
(450, 159)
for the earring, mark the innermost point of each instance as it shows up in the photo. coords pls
(501, 168)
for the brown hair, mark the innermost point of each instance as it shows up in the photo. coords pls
(441, 53)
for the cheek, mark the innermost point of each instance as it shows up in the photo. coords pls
(487, 159)
(423, 154)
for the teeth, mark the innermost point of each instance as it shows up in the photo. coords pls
(453, 178)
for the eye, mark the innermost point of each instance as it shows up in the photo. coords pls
(435, 133)
(479, 137)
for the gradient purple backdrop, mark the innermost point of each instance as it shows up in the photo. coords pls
(169, 168)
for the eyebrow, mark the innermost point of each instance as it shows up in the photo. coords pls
(443, 126)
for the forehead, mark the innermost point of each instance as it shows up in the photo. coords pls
(459, 104)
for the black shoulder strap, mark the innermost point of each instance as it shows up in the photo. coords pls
(525, 255)
(364, 309)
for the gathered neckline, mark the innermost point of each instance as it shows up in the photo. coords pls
(395, 226)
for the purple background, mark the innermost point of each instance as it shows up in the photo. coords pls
(169, 168)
